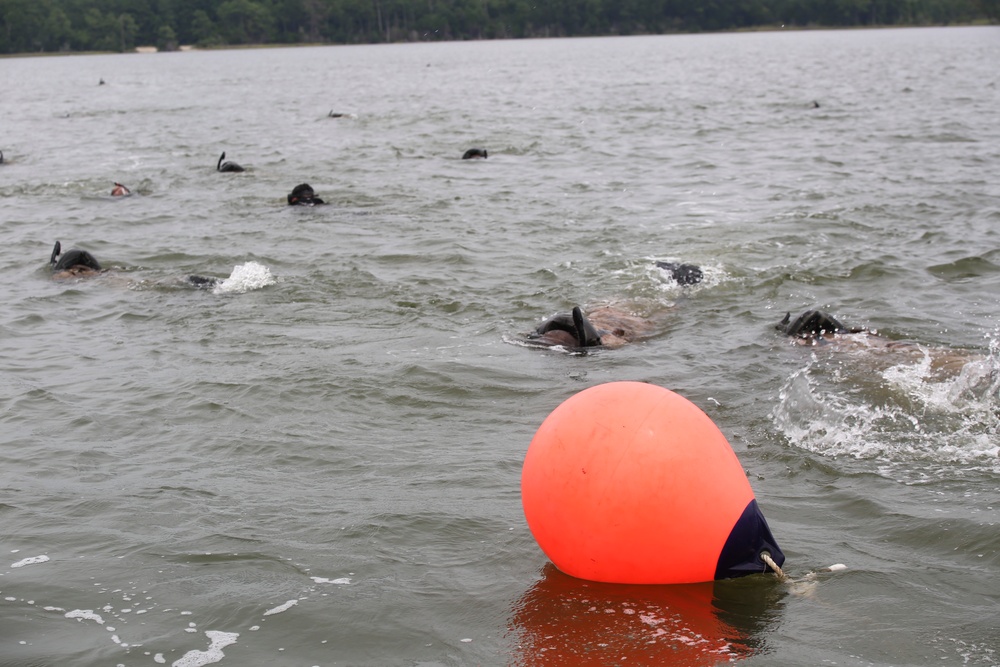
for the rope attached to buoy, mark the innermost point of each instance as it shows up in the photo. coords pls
(766, 557)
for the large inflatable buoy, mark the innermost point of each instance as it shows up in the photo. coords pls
(631, 483)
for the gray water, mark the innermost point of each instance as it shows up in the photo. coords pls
(320, 463)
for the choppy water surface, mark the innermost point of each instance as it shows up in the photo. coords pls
(319, 464)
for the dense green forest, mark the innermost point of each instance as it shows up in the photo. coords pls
(121, 25)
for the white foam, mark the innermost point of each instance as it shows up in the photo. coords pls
(219, 640)
(30, 561)
(342, 581)
(245, 278)
(282, 607)
(85, 615)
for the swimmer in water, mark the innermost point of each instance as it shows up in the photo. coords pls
(303, 195)
(227, 166)
(603, 326)
(607, 326)
(81, 264)
(73, 263)
(816, 328)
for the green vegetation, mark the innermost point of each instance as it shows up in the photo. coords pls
(121, 25)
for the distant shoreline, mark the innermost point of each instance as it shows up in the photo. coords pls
(148, 49)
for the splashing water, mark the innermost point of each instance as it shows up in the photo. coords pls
(245, 278)
(907, 421)
(975, 388)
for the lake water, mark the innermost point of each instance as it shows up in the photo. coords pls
(320, 463)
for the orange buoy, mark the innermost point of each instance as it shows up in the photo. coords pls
(631, 483)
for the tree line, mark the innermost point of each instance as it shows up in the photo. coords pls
(121, 25)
